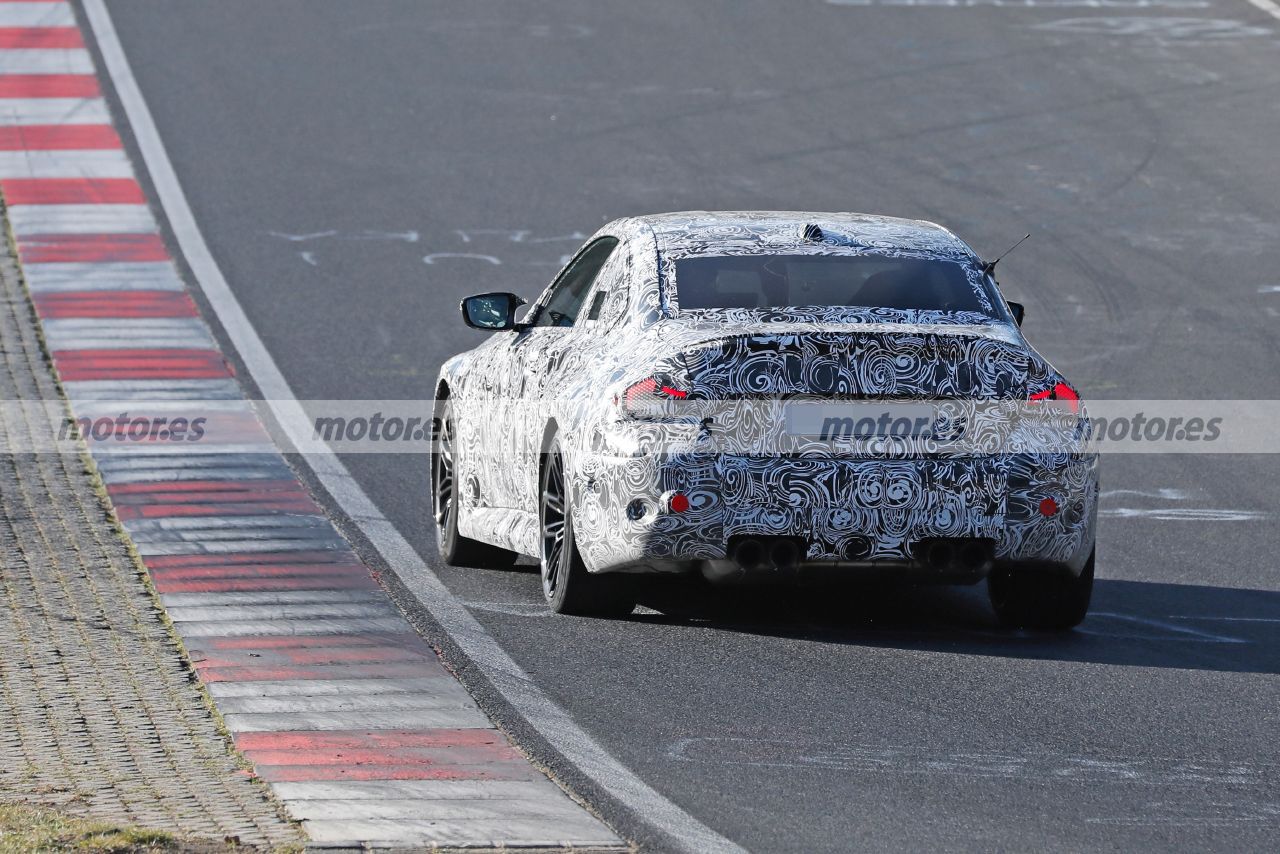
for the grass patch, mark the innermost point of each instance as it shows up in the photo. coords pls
(25, 828)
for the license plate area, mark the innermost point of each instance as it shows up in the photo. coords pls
(860, 421)
(915, 486)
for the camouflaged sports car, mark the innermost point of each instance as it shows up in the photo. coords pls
(741, 394)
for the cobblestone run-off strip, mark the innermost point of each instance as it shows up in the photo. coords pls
(99, 715)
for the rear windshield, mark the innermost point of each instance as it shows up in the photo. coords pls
(868, 280)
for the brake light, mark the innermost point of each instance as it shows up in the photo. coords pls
(1061, 391)
(651, 397)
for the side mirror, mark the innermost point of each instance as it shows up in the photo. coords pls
(491, 312)
(1018, 310)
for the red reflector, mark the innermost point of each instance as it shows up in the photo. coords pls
(1048, 507)
(679, 503)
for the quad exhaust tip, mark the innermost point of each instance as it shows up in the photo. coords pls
(967, 555)
(972, 555)
(785, 555)
(749, 553)
(780, 554)
(940, 555)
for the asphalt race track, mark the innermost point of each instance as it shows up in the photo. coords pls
(358, 167)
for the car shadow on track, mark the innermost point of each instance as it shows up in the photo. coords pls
(1143, 624)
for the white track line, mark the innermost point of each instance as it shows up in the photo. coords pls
(81, 219)
(104, 163)
(1269, 6)
(53, 111)
(45, 61)
(116, 276)
(36, 15)
(551, 721)
(102, 333)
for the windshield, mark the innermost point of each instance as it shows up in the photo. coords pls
(864, 280)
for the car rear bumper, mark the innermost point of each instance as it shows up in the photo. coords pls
(858, 511)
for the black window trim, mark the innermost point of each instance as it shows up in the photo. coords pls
(532, 319)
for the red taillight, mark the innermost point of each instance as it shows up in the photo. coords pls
(1061, 391)
(650, 398)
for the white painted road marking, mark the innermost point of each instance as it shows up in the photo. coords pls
(500, 833)
(288, 628)
(472, 256)
(1225, 619)
(45, 61)
(140, 275)
(1167, 494)
(551, 721)
(309, 610)
(1269, 6)
(206, 391)
(321, 687)
(1184, 514)
(404, 719)
(1166, 816)
(1183, 633)
(101, 333)
(53, 111)
(433, 810)
(81, 219)
(912, 759)
(93, 163)
(514, 609)
(353, 702)
(350, 790)
(36, 15)
(1187, 29)
(271, 597)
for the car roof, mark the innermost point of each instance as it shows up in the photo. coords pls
(701, 230)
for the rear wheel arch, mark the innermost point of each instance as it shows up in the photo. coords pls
(443, 399)
(549, 432)
(566, 584)
(442, 394)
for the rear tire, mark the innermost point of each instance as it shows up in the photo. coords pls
(566, 584)
(1026, 599)
(456, 549)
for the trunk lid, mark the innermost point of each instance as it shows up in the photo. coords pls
(889, 361)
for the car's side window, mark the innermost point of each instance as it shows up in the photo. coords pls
(609, 290)
(597, 303)
(570, 290)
